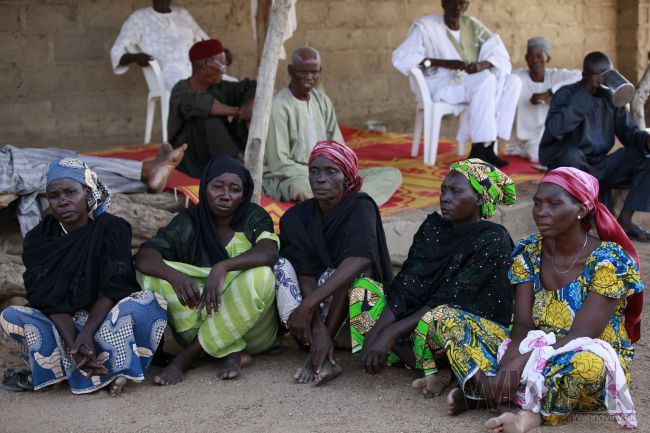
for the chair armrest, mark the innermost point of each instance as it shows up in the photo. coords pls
(419, 85)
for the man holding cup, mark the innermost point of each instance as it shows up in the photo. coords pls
(581, 128)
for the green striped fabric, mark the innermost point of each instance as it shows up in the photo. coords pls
(246, 320)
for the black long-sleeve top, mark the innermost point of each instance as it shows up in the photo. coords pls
(578, 118)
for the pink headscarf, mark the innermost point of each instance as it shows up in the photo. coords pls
(344, 158)
(584, 188)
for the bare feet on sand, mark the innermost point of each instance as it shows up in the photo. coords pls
(519, 421)
(116, 387)
(457, 403)
(155, 173)
(233, 365)
(175, 371)
(433, 385)
(327, 372)
(306, 373)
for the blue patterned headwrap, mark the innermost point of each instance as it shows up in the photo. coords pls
(75, 169)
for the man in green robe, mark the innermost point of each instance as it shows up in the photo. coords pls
(301, 116)
(207, 113)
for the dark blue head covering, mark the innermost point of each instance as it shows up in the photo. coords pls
(77, 170)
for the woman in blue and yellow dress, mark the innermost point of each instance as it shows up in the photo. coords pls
(577, 313)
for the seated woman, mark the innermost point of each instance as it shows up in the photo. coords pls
(577, 313)
(87, 320)
(212, 263)
(456, 258)
(327, 242)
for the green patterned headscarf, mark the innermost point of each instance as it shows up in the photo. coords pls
(493, 185)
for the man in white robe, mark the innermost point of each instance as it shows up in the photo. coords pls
(301, 116)
(160, 32)
(468, 66)
(538, 84)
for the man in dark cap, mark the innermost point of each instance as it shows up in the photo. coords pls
(581, 126)
(209, 114)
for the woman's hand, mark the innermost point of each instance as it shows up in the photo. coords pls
(375, 352)
(211, 298)
(186, 290)
(508, 379)
(299, 323)
(85, 357)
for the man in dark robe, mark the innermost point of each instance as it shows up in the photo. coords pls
(207, 113)
(581, 126)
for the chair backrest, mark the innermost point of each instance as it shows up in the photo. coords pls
(419, 85)
(153, 77)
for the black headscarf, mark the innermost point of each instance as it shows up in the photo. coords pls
(192, 236)
(65, 273)
(313, 241)
(466, 267)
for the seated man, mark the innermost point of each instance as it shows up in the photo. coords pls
(581, 126)
(467, 66)
(200, 108)
(301, 116)
(23, 172)
(538, 84)
(161, 32)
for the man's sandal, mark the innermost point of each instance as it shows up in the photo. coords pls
(639, 234)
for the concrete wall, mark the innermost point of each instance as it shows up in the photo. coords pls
(58, 87)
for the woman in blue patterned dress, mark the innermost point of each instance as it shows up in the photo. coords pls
(577, 313)
(87, 320)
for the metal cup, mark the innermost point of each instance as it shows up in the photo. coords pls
(621, 90)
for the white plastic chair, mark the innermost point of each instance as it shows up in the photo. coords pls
(428, 114)
(157, 92)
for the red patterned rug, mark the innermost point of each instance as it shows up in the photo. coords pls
(421, 183)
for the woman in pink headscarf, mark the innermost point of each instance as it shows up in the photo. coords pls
(338, 230)
(577, 313)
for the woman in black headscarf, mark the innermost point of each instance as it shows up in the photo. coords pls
(87, 320)
(212, 263)
(327, 243)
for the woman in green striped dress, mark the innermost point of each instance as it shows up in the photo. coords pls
(212, 263)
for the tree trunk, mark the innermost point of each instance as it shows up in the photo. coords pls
(262, 25)
(640, 96)
(264, 94)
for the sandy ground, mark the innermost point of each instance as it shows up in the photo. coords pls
(266, 399)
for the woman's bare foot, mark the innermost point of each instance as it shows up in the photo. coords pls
(116, 387)
(433, 385)
(174, 373)
(155, 173)
(519, 421)
(306, 373)
(233, 365)
(327, 372)
(457, 403)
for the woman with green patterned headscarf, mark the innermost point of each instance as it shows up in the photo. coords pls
(457, 259)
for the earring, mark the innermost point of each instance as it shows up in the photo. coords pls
(579, 217)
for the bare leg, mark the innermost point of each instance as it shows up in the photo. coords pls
(404, 351)
(155, 173)
(116, 387)
(519, 421)
(458, 403)
(174, 372)
(233, 365)
(433, 385)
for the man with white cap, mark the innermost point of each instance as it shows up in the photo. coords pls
(538, 84)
